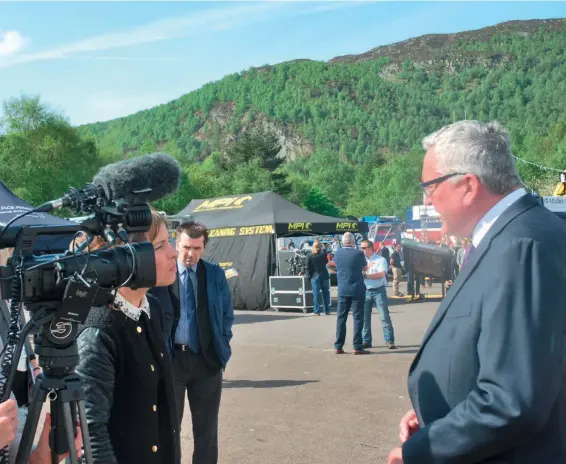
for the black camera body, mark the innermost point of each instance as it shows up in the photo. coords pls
(59, 289)
(46, 277)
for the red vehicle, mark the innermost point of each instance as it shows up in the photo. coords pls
(384, 230)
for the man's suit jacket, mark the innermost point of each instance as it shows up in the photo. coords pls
(349, 265)
(489, 381)
(220, 310)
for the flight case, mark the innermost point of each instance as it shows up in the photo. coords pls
(291, 292)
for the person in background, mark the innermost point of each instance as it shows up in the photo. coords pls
(318, 275)
(462, 253)
(397, 268)
(126, 372)
(376, 292)
(335, 244)
(560, 189)
(202, 331)
(350, 263)
(384, 251)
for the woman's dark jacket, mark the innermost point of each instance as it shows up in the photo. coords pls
(316, 264)
(128, 381)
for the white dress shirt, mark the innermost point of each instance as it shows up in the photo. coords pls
(485, 223)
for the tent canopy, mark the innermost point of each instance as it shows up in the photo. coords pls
(11, 206)
(264, 213)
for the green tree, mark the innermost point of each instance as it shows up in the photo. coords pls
(257, 150)
(41, 155)
(318, 202)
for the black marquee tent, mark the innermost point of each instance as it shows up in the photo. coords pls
(11, 206)
(243, 234)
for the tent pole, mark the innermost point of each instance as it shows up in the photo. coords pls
(277, 270)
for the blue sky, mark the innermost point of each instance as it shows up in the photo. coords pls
(101, 60)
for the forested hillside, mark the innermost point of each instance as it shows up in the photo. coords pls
(349, 130)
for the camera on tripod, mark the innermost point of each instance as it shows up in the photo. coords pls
(58, 290)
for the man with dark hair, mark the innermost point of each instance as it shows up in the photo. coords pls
(201, 333)
(397, 268)
(376, 293)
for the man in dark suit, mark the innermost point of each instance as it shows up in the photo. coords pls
(489, 381)
(200, 336)
(350, 263)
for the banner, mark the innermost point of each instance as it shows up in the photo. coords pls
(247, 262)
(238, 231)
(338, 227)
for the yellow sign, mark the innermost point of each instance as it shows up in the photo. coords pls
(347, 226)
(239, 231)
(300, 226)
(256, 230)
(229, 273)
(222, 203)
(224, 232)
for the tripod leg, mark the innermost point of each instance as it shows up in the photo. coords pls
(57, 437)
(84, 430)
(28, 435)
(70, 432)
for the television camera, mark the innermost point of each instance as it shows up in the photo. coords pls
(58, 290)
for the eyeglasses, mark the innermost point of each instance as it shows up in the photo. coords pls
(364, 248)
(437, 181)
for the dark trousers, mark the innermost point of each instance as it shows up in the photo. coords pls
(204, 389)
(344, 305)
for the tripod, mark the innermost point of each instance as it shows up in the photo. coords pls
(63, 388)
(67, 397)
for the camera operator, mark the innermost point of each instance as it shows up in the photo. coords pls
(126, 370)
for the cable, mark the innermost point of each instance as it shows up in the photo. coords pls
(131, 276)
(63, 258)
(13, 342)
(540, 166)
(19, 216)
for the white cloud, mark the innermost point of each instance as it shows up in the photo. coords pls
(11, 42)
(200, 22)
(124, 58)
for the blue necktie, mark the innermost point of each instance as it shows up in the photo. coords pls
(194, 339)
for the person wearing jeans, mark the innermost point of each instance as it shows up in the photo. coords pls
(318, 275)
(376, 293)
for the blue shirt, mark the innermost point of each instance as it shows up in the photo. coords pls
(187, 330)
(349, 265)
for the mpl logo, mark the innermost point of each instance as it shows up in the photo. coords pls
(346, 226)
(222, 203)
(305, 226)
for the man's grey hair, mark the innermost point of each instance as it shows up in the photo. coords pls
(349, 238)
(473, 147)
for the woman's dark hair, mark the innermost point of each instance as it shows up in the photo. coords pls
(193, 230)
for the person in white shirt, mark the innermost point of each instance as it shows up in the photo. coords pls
(375, 279)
